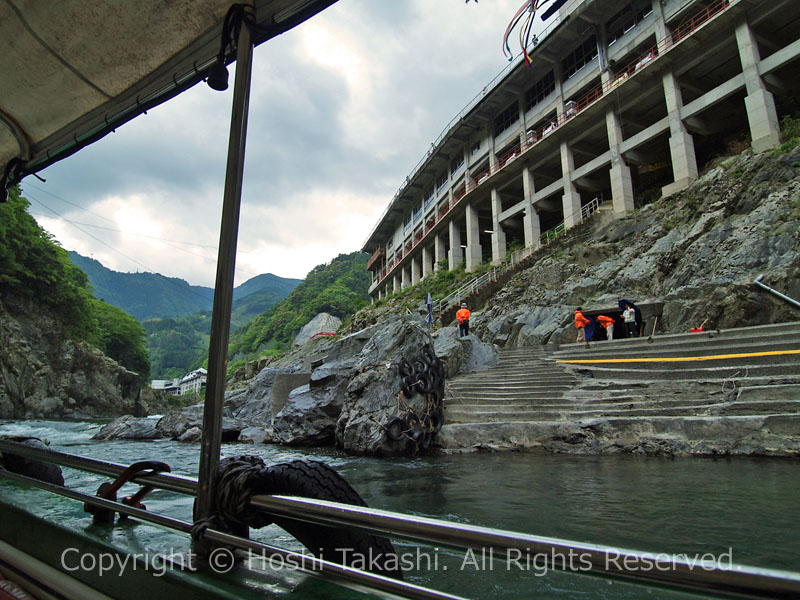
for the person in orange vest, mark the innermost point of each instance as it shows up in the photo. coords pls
(608, 324)
(580, 324)
(462, 316)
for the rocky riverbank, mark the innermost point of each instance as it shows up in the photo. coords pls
(44, 374)
(697, 253)
(348, 398)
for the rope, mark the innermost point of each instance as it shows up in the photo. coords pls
(530, 7)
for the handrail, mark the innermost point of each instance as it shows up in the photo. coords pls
(607, 561)
(783, 297)
(310, 565)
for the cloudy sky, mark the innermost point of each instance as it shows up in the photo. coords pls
(342, 109)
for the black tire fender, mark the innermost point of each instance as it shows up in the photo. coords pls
(425, 383)
(313, 479)
(404, 368)
(410, 421)
(420, 366)
(409, 385)
(436, 397)
(436, 420)
(425, 440)
(394, 429)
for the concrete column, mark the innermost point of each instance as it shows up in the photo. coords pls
(427, 261)
(439, 251)
(395, 283)
(662, 32)
(499, 236)
(681, 143)
(571, 200)
(473, 253)
(406, 280)
(533, 230)
(765, 131)
(530, 220)
(621, 181)
(414, 266)
(456, 256)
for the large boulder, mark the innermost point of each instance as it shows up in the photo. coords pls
(372, 396)
(322, 323)
(252, 405)
(129, 427)
(463, 354)
(312, 410)
(176, 423)
(310, 415)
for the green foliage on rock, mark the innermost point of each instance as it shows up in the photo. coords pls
(33, 265)
(339, 288)
(121, 337)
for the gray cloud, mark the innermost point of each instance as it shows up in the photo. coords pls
(342, 109)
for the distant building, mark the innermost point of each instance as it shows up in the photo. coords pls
(193, 382)
(623, 96)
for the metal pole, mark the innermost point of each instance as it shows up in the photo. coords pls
(223, 289)
(784, 297)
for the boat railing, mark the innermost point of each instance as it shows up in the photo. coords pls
(605, 561)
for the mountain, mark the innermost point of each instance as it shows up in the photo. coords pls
(338, 287)
(151, 295)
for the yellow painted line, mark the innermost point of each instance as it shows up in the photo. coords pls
(681, 358)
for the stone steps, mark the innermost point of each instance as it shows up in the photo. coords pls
(523, 412)
(746, 335)
(687, 371)
(529, 386)
(723, 348)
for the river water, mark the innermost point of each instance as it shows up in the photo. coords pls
(744, 510)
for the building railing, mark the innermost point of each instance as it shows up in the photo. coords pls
(375, 256)
(533, 137)
(469, 288)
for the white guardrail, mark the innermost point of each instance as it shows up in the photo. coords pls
(518, 256)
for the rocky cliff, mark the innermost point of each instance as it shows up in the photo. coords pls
(44, 374)
(698, 252)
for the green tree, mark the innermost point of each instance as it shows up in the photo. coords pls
(121, 337)
(33, 265)
(338, 287)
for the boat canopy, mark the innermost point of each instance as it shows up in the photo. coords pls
(73, 71)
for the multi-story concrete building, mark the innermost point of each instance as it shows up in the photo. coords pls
(192, 382)
(622, 96)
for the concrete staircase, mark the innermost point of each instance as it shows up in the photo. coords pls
(720, 391)
(525, 386)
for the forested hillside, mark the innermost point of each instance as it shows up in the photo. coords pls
(33, 266)
(178, 345)
(339, 288)
(152, 295)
